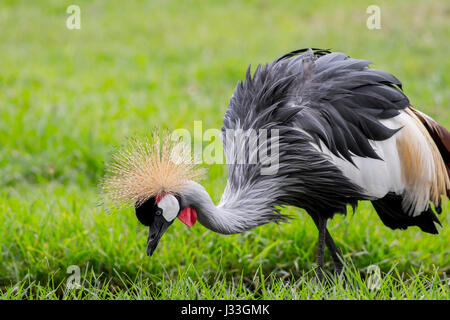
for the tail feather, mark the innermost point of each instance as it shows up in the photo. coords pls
(440, 136)
(391, 212)
(391, 208)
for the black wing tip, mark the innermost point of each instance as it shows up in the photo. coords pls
(392, 214)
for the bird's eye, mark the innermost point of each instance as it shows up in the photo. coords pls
(158, 212)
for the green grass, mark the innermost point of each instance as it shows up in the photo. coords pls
(68, 97)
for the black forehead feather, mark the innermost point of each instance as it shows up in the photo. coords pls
(145, 211)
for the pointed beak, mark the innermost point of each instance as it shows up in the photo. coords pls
(155, 232)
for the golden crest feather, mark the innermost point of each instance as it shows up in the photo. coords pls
(146, 168)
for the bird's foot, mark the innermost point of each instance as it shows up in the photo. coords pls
(340, 276)
(320, 275)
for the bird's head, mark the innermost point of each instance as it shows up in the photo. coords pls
(158, 213)
(152, 175)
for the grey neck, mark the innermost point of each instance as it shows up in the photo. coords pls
(226, 218)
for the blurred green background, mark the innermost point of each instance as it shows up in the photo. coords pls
(67, 97)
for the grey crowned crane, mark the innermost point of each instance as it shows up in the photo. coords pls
(346, 132)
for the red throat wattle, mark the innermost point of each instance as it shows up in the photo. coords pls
(188, 215)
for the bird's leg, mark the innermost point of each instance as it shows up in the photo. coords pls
(322, 226)
(334, 250)
(335, 253)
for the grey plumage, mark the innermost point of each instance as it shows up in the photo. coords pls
(330, 97)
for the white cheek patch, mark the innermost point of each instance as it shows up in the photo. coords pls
(170, 206)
